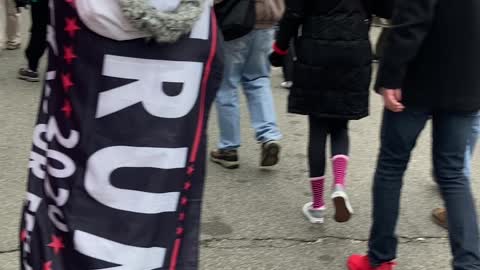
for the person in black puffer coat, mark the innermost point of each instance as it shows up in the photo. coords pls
(331, 81)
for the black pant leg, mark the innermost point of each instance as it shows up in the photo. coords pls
(340, 141)
(316, 147)
(38, 33)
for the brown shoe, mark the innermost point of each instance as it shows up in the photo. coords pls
(439, 216)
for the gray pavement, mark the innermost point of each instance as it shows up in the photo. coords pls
(252, 217)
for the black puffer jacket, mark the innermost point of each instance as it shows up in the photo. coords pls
(333, 68)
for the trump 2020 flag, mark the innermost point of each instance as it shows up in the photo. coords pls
(116, 171)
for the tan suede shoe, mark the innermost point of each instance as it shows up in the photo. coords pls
(439, 216)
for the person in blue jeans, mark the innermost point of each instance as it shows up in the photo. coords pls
(472, 141)
(429, 69)
(439, 215)
(247, 65)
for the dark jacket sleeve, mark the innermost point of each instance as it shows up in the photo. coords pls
(23, 3)
(290, 22)
(411, 22)
(382, 8)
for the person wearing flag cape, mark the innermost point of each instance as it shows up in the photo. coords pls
(116, 170)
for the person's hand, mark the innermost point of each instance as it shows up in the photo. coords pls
(276, 59)
(392, 99)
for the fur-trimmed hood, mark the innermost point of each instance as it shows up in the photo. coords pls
(161, 20)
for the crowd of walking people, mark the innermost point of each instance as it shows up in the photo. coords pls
(107, 58)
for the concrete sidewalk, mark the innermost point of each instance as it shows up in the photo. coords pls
(252, 218)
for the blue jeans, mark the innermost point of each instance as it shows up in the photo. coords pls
(398, 137)
(247, 65)
(472, 140)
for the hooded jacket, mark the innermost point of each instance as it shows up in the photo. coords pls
(333, 67)
(107, 18)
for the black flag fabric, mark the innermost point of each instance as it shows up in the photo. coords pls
(116, 171)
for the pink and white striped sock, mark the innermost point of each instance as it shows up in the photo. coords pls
(340, 164)
(317, 185)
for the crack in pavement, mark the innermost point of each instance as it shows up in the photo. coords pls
(9, 251)
(285, 242)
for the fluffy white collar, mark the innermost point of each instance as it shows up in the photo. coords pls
(106, 18)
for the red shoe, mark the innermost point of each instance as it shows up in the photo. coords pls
(359, 262)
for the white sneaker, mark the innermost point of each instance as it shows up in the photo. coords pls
(315, 216)
(287, 84)
(343, 208)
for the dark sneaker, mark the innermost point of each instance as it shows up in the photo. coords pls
(439, 216)
(28, 75)
(13, 46)
(270, 154)
(226, 158)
